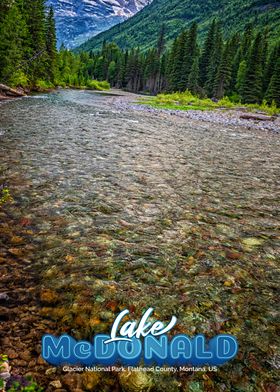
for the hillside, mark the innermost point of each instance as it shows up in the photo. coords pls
(142, 29)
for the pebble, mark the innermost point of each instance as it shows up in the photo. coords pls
(11, 354)
(50, 371)
(56, 384)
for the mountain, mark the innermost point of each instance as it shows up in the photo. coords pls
(142, 29)
(79, 20)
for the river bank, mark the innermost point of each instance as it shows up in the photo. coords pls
(224, 117)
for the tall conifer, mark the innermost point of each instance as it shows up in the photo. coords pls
(207, 53)
(51, 45)
(252, 86)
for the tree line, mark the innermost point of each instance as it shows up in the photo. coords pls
(244, 67)
(28, 54)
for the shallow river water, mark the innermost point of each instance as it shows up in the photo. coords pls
(130, 209)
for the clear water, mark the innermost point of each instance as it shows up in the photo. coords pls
(136, 210)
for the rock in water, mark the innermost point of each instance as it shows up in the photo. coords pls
(135, 381)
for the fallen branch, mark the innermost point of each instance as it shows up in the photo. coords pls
(257, 117)
(10, 91)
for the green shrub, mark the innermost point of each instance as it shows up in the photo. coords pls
(96, 85)
(104, 85)
(235, 98)
(187, 101)
(226, 102)
(43, 85)
(19, 79)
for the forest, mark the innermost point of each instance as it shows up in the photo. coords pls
(245, 67)
(28, 54)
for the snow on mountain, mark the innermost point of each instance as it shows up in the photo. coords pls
(79, 20)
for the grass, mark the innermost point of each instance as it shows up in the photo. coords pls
(187, 101)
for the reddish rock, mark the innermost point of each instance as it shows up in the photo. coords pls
(12, 354)
(25, 355)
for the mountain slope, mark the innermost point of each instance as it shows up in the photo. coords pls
(79, 20)
(142, 29)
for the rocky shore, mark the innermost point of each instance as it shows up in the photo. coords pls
(233, 118)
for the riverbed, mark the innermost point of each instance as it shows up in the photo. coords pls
(118, 208)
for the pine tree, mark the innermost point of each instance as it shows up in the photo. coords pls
(236, 59)
(270, 66)
(246, 42)
(162, 84)
(252, 86)
(223, 77)
(177, 77)
(273, 92)
(215, 60)
(189, 56)
(36, 22)
(207, 53)
(51, 45)
(161, 41)
(152, 69)
(193, 82)
(12, 32)
(241, 77)
(112, 72)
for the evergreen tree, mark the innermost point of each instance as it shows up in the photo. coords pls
(215, 60)
(162, 84)
(241, 77)
(12, 32)
(193, 82)
(161, 41)
(273, 92)
(270, 66)
(223, 77)
(246, 42)
(189, 56)
(207, 53)
(252, 86)
(112, 72)
(35, 13)
(236, 59)
(177, 77)
(51, 45)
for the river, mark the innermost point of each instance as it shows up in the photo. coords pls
(130, 209)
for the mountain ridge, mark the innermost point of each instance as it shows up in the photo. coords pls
(79, 20)
(142, 29)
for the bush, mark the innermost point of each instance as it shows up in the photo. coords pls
(105, 85)
(226, 102)
(19, 79)
(96, 85)
(187, 101)
(235, 98)
(43, 85)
